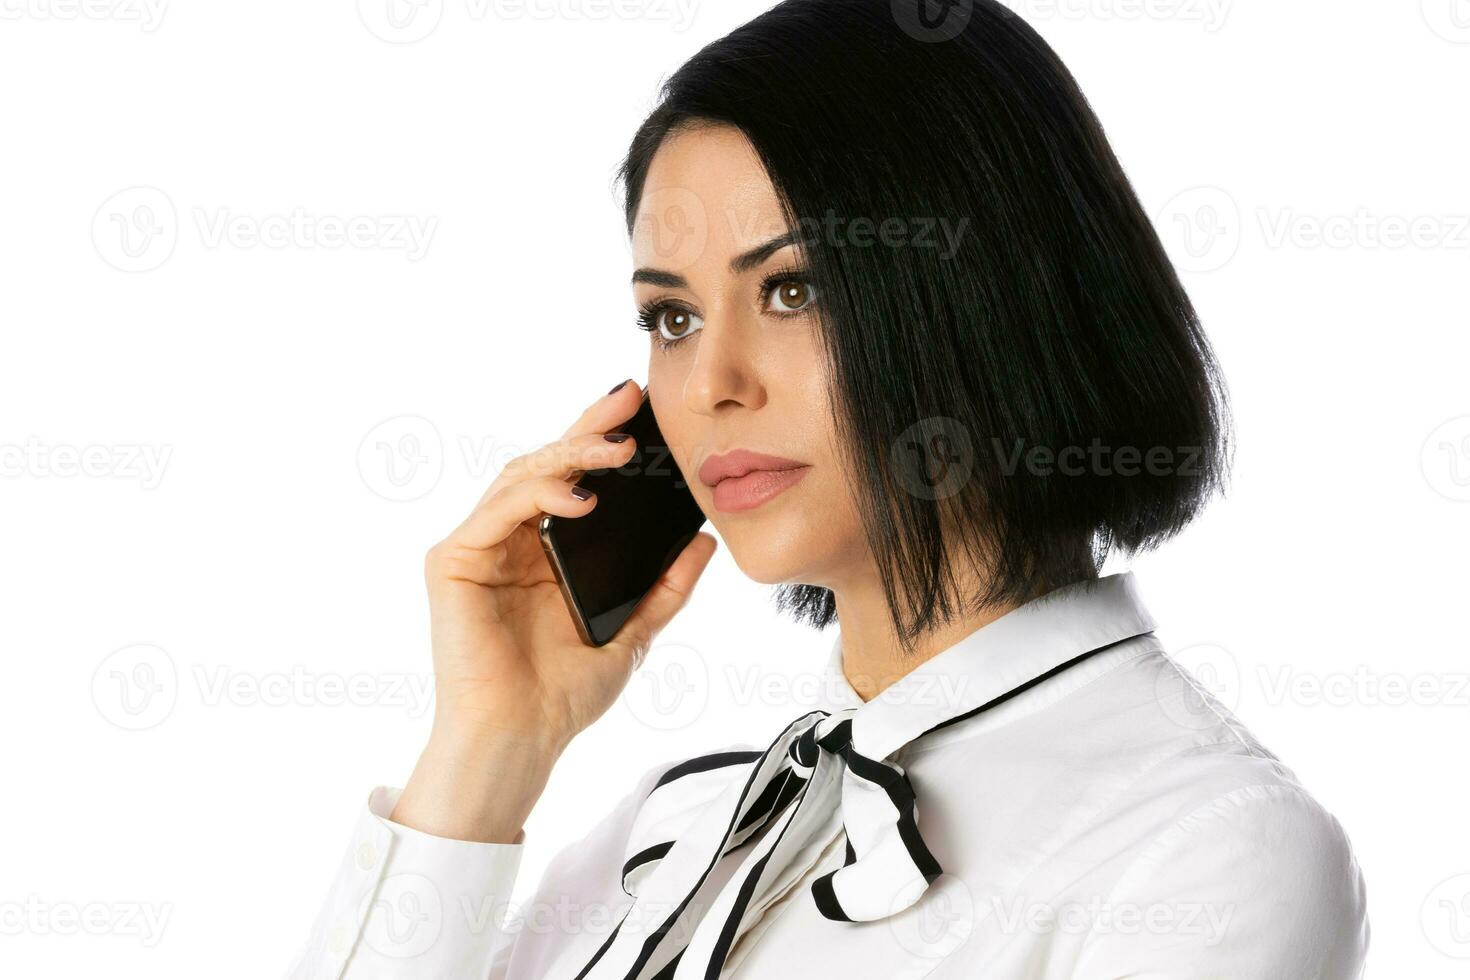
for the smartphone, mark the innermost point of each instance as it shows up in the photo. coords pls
(608, 560)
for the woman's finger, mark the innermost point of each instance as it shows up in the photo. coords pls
(603, 415)
(492, 522)
(609, 411)
(564, 460)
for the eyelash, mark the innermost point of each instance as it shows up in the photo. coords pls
(649, 313)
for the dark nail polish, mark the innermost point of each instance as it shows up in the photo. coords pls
(581, 493)
(616, 437)
(619, 387)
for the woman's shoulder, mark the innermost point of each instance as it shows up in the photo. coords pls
(1270, 868)
(1140, 758)
(1161, 732)
(1215, 819)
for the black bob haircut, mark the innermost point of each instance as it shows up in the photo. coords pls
(1024, 399)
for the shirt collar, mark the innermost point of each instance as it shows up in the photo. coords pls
(1024, 644)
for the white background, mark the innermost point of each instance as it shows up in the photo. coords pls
(193, 425)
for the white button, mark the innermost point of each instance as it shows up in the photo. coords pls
(341, 939)
(367, 856)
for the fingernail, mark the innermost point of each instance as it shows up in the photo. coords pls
(619, 387)
(616, 437)
(581, 493)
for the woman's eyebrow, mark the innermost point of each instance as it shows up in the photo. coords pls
(740, 264)
(654, 277)
(757, 255)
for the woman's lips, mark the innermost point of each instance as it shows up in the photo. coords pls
(739, 493)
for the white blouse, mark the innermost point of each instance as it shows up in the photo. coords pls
(1051, 797)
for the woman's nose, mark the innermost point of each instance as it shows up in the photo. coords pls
(724, 372)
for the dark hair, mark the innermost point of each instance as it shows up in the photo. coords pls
(1053, 327)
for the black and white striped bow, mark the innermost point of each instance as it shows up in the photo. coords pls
(887, 865)
(830, 772)
(806, 779)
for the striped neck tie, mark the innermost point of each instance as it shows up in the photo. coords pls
(825, 769)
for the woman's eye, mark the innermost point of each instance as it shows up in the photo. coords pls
(791, 296)
(676, 324)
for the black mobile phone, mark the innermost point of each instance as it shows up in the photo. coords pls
(608, 560)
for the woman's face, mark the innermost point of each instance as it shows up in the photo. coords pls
(734, 360)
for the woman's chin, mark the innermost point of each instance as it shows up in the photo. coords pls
(767, 570)
(765, 562)
(784, 553)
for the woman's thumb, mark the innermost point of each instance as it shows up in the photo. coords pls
(668, 595)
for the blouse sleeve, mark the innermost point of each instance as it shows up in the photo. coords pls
(407, 904)
(1261, 882)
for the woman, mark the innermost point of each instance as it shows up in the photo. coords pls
(893, 273)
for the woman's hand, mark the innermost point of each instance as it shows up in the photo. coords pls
(514, 682)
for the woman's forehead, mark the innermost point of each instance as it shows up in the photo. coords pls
(707, 186)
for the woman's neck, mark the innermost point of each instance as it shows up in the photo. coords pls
(872, 657)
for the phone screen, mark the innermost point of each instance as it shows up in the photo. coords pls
(608, 560)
